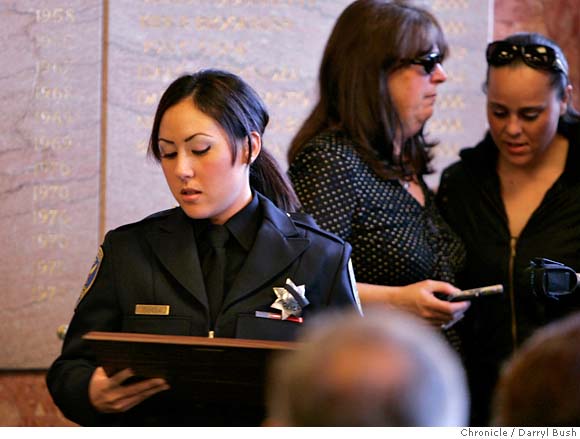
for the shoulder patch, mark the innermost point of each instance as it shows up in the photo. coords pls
(92, 274)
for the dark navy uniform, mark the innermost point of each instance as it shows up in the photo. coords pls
(155, 262)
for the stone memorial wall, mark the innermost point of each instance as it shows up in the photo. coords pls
(50, 91)
(79, 84)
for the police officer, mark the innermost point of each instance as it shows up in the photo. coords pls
(205, 267)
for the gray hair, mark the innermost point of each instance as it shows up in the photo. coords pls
(384, 369)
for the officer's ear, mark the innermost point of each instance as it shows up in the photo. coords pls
(252, 151)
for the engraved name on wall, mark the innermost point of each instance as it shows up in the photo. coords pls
(72, 154)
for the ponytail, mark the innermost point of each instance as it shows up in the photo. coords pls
(267, 178)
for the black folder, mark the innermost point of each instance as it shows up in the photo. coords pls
(198, 369)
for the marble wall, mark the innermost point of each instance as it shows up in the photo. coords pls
(78, 96)
(50, 90)
(24, 401)
(558, 19)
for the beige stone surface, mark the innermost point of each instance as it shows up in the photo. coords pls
(25, 402)
(59, 194)
(49, 169)
(50, 92)
(459, 119)
(275, 45)
(557, 19)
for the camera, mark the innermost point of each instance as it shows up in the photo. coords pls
(552, 280)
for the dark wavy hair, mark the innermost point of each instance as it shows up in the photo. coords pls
(238, 109)
(559, 79)
(370, 40)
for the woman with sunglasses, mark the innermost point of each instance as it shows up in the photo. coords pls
(168, 274)
(513, 197)
(358, 161)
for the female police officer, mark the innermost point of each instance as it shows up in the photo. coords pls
(207, 136)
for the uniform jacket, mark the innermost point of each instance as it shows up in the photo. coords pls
(470, 200)
(155, 262)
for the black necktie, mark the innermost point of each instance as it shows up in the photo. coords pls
(214, 265)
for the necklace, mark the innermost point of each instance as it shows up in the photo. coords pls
(406, 184)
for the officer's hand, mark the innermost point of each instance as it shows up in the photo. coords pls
(108, 395)
(419, 299)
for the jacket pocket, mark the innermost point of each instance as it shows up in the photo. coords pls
(163, 325)
(252, 327)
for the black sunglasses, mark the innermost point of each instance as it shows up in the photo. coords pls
(428, 61)
(537, 56)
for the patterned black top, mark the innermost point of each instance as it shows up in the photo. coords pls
(395, 241)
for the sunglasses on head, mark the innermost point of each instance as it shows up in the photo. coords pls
(428, 62)
(537, 56)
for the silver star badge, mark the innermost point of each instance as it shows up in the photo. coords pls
(290, 299)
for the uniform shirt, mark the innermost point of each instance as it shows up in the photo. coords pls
(243, 228)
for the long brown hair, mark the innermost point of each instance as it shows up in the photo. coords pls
(371, 39)
(238, 109)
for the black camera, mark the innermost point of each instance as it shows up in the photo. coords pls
(551, 279)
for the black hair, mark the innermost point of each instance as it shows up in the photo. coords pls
(238, 109)
(559, 79)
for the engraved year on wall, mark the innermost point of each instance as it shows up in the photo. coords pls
(49, 157)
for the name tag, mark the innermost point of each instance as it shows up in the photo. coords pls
(152, 310)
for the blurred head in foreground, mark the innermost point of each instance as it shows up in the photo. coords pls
(540, 385)
(383, 369)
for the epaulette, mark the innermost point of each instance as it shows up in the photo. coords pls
(161, 214)
(152, 217)
(305, 221)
